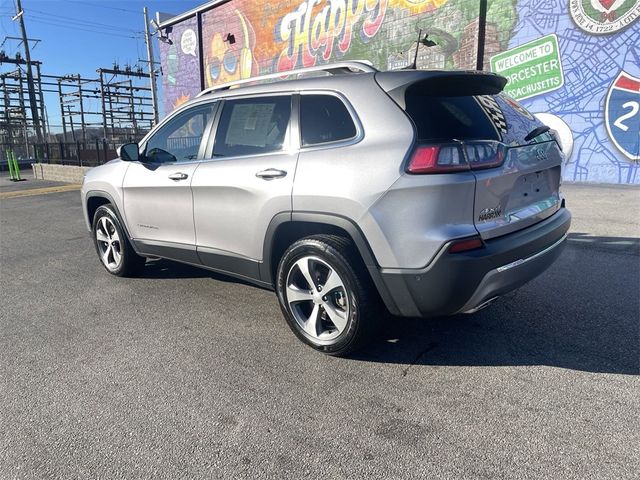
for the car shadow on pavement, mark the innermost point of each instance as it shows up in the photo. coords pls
(495, 338)
(582, 314)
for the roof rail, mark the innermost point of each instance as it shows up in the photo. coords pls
(331, 68)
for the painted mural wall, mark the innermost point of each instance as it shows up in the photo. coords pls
(180, 62)
(575, 63)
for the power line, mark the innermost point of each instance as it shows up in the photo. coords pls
(103, 6)
(73, 24)
(73, 27)
(77, 20)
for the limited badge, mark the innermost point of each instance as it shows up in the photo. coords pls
(622, 114)
(601, 17)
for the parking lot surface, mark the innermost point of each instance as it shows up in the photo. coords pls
(183, 373)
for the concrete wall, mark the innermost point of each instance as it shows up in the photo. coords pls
(59, 173)
(575, 62)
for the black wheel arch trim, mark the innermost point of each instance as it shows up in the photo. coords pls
(339, 221)
(105, 195)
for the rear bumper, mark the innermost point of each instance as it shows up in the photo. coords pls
(463, 282)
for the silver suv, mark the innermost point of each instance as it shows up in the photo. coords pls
(348, 191)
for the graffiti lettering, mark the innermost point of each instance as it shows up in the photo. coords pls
(312, 30)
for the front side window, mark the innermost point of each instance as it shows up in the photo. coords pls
(323, 119)
(179, 139)
(251, 126)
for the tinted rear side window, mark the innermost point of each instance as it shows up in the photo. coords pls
(324, 118)
(448, 118)
(252, 126)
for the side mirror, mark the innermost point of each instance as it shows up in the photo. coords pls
(129, 152)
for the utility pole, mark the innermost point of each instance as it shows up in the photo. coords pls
(151, 64)
(32, 93)
(64, 123)
(482, 27)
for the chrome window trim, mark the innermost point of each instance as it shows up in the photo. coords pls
(294, 131)
(241, 157)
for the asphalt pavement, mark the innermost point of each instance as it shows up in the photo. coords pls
(187, 374)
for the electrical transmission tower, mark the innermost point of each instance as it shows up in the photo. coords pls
(127, 107)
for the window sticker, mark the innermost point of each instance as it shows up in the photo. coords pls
(249, 124)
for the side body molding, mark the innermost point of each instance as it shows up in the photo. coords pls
(230, 265)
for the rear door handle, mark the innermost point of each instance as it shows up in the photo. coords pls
(178, 176)
(271, 173)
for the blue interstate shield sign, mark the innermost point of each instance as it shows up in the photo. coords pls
(622, 114)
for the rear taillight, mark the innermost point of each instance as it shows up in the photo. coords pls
(450, 158)
(437, 159)
(466, 244)
(487, 154)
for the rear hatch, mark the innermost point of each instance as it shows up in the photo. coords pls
(464, 122)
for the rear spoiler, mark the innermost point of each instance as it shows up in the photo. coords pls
(439, 83)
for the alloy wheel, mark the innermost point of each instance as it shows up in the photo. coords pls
(109, 245)
(318, 299)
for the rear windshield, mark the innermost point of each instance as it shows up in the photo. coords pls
(448, 118)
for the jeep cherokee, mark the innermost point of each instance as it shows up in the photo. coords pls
(424, 193)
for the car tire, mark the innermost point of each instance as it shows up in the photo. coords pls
(112, 244)
(337, 321)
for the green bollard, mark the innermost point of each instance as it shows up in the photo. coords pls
(16, 168)
(10, 163)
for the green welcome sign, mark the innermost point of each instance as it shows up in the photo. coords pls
(532, 68)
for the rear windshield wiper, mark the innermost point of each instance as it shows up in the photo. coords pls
(536, 132)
